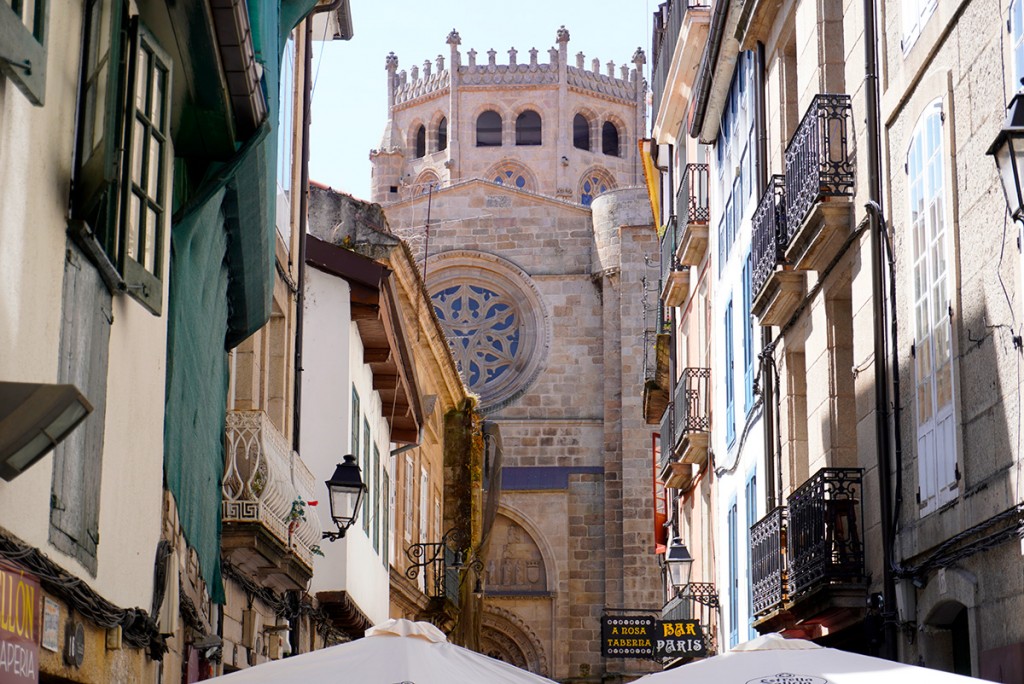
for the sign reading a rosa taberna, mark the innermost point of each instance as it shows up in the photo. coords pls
(641, 636)
(20, 601)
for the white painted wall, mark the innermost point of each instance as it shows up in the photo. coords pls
(36, 146)
(332, 361)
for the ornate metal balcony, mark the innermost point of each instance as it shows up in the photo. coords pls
(675, 278)
(819, 167)
(692, 410)
(668, 24)
(673, 474)
(824, 532)
(769, 232)
(268, 527)
(768, 561)
(694, 211)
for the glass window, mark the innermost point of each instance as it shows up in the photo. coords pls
(592, 185)
(421, 142)
(371, 491)
(424, 499)
(610, 139)
(442, 134)
(734, 577)
(123, 148)
(730, 384)
(355, 422)
(748, 339)
(407, 484)
(488, 129)
(750, 500)
(528, 128)
(581, 132)
(378, 499)
(933, 347)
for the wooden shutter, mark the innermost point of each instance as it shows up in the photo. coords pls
(77, 463)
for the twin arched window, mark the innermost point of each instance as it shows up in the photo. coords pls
(421, 138)
(581, 135)
(421, 142)
(442, 134)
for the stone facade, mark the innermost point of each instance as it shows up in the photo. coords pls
(534, 259)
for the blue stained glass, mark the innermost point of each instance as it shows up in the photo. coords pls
(520, 182)
(474, 374)
(604, 188)
(498, 180)
(586, 187)
(508, 174)
(586, 200)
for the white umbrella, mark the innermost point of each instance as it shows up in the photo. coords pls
(396, 652)
(773, 659)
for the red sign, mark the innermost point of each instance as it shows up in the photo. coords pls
(21, 601)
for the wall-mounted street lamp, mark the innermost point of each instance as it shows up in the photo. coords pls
(680, 564)
(33, 419)
(345, 490)
(1008, 150)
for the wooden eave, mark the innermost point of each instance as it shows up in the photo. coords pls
(385, 344)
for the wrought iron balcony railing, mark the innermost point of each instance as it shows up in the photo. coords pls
(692, 198)
(669, 245)
(768, 561)
(769, 233)
(265, 482)
(691, 404)
(818, 159)
(666, 435)
(824, 534)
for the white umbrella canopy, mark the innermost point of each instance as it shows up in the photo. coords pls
(396, 652)
(773, 659)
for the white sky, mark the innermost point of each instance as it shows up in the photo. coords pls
(349, 96)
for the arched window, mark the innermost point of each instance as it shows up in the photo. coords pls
(581, 132)
(528, 128)
(421, 142)
(488, 129)
(512, 174)
(442, 134)
(594, 183)
(610, 139)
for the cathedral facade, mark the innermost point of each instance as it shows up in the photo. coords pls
(518, 187)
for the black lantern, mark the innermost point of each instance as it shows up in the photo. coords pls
(345, 490)
(1008, 149)
(680, 563)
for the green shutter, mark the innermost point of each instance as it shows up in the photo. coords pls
(24, 49)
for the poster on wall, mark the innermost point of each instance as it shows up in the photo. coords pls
(20, 614)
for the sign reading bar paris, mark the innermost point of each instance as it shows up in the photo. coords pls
(641, 636)
(20, 602)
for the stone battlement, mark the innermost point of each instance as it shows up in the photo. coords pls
(433, 79)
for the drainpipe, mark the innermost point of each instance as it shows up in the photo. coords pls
(876, 217)
(768, 388)
(300, 299)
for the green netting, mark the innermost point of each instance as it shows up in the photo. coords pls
(197, 381)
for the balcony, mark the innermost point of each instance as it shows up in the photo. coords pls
(692, 407)
(777, 291)
(809, 568)
(680, 30)
(675, 278)
(693, 211)
(768, 561)
(269, 530)
(673, 474)
(656, 373)
(819, 184)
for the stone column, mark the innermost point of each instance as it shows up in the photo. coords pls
(454, 124)
(563, 142)
(640, 92)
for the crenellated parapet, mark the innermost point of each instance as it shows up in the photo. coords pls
(627, 85)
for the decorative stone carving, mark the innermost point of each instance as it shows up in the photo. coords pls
(517, 564)
(562, 36)
(453, 38)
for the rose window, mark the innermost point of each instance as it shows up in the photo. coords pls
(483, 330)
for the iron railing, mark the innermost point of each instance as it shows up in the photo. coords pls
(267, 483)
(691, 405)
(692, 198)
(669, 245)
(824, 533)
(667, 437)
(769, 233)
(667, 25)
(818, 159)
(768, 561)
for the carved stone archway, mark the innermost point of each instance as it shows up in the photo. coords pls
(506, 637)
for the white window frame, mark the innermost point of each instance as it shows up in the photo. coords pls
(914, 14)
(408, 483)
(931, 267)
(424, 502)
(1015, 27)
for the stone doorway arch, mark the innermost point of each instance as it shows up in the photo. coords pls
(506, 637)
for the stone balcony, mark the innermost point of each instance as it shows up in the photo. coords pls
(269, 530)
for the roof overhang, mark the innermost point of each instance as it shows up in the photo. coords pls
(374, 306)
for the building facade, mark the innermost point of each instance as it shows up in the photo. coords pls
(887, 504)
(513, 184)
